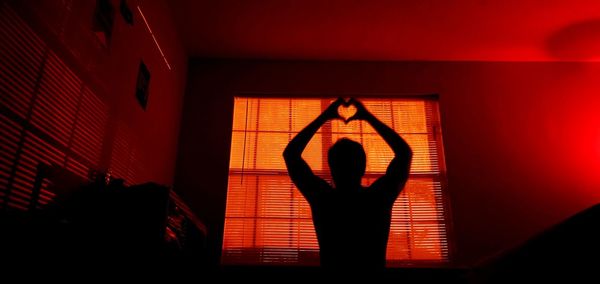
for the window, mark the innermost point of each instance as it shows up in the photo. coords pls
(268, 221)
(48, 115)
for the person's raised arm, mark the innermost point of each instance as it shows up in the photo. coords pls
(299, 171)
(399, 168)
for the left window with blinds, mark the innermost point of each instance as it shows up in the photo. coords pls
(48, 115)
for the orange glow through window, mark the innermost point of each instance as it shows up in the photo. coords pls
(268, 221)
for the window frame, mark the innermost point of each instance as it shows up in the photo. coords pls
(440, 177)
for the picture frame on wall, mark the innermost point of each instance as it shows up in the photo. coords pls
(143, 85)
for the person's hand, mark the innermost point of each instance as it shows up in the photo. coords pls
(332, 110)
(361, 112)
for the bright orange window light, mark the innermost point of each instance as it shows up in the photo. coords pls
(268, 221)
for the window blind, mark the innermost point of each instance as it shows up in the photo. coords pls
(47, 115)
(268, 221)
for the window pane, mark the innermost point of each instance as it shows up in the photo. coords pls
(424, 153)
(274, 195)
(269, 149)
(410, 116)
(418, 230)
(382, 110)
(379, 154)
(274, 115)
(243, 145)
(245, 114)
(242, 195)
(303, 112)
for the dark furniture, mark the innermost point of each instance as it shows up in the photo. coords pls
(101, 224)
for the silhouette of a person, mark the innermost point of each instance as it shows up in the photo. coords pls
(352, 222)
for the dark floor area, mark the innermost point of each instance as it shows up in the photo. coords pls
(108, 244)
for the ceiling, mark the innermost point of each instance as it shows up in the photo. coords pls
(472, 30)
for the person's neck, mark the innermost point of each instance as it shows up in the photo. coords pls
(349, 187)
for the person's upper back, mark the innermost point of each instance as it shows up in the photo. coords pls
(352, 227)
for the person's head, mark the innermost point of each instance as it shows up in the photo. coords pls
(347, 162)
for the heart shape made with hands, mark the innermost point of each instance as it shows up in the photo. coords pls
(346, 111)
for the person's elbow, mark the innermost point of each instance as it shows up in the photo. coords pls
(286, 155)
(409, 153)
(404, 152)
(289, 154)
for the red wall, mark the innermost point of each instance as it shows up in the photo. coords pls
(151, 135)
(522, 140)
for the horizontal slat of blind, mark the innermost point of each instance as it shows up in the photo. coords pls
(267, 219)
